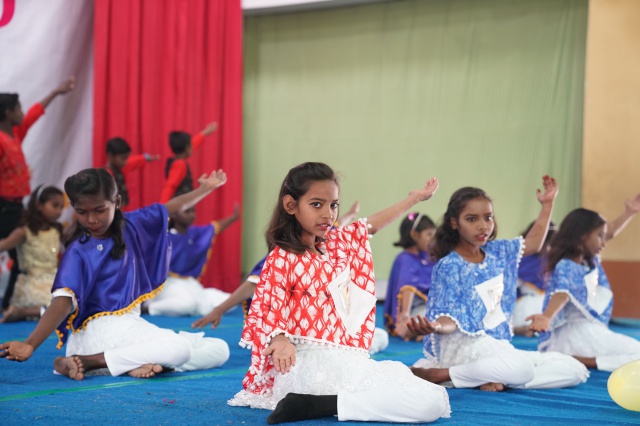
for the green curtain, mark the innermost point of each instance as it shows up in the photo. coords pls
(485, 93)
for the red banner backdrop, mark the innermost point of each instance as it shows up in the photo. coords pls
(163, 65)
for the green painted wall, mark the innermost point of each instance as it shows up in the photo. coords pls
(484, 93)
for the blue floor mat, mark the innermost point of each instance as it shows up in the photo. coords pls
(31, 394)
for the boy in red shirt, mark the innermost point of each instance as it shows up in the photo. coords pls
(14, 172)
(177, 171)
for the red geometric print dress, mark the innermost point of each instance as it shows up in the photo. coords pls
(325, 304)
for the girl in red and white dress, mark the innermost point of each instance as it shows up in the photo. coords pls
(312, 318)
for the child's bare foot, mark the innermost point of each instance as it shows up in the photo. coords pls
(146, 371)
(433, 375)
(10, 314)
(70, 366)
(492, 387)
(13, 314)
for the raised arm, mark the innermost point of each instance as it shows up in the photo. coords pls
(207, 184)
(64, 88)
(348, 217)
(631, 208)
(385, 217)
(57, 311)
(14, 239)
(225, 222)
(535, 237)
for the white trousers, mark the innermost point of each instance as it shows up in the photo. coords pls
(397, 404)
(521, 369)
(185, 297)
(128, 342)
(179, 352)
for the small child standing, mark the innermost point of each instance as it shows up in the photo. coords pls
(112, 263)
(38, 244)
(191, 245)
(312, 318)
(14, 172)
(177, 171)
(410, 278)
(579, 301)
(120, 162)
(473, 291)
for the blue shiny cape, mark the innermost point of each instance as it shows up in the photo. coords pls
(569, 277)
(531, 270)
(103, 285)
(409, 269)
(453, 293)
(191, 250)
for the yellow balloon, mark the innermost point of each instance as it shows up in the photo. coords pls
(624, 386)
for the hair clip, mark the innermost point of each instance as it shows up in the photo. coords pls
(416, 222)
(41, 190)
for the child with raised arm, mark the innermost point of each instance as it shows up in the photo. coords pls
(410, 277)
(177, 172)
(38, 242)
(472, 296)
(14, 172)
(312, 319)
(579, 301)
(191, 246)
(112, 263)
(120, 162)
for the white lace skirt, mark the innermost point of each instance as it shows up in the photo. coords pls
(324, 371)
(458, 348)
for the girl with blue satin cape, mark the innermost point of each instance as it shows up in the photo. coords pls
(579, 301)
(113, 262)
(473, 290)
(184, 294)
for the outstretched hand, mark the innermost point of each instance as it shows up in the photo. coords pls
(66, 86)
(16, 351)
(355, 208)
(283, 353)
(214, 317)
(430, 188)
(215, 180)
(211, 127)
(420, 325)
(633, 204)
(539, 322)
(550, 190)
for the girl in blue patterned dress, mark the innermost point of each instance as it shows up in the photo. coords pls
(410, 277)
(112, 263)
(473, 291)
(579, 300)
